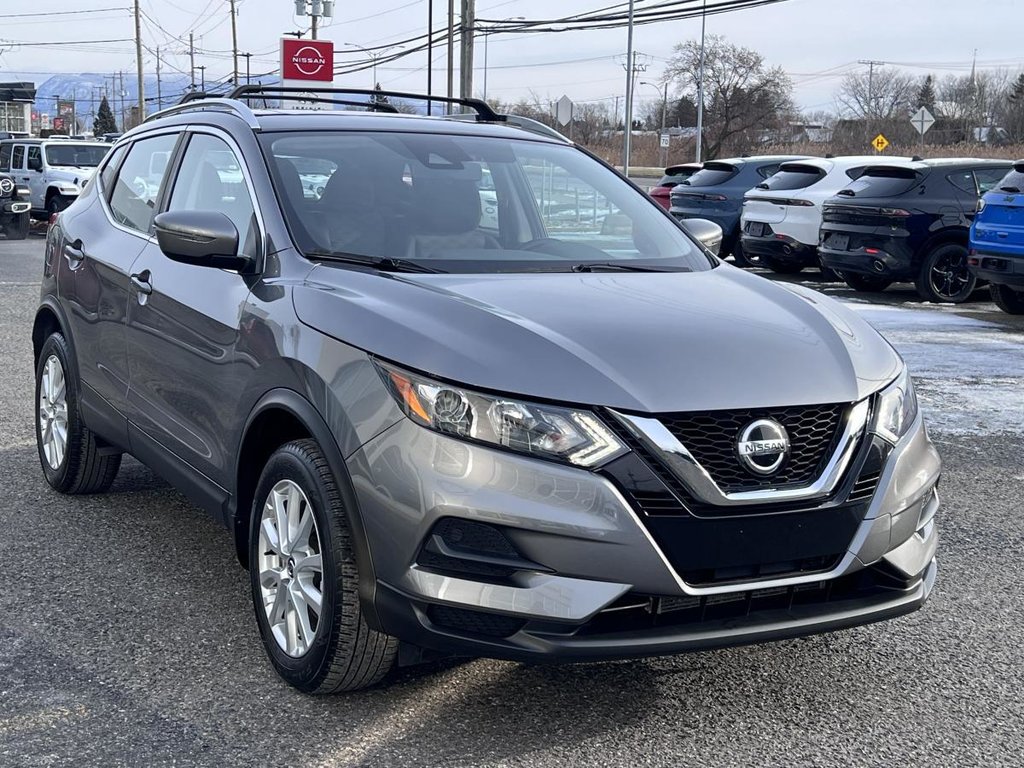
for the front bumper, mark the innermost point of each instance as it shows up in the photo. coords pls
(16, 207)
(606, 589)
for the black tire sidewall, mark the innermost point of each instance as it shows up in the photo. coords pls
(307, 671)
(56, 204)
(924, 284)
(865, 283)
(1007, 299)
(19, 227)
(781, 267)
(63, 477)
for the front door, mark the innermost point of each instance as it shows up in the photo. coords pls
(183, 324)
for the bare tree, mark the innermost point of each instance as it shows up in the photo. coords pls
(742, 96)
(589, 119)
(885, 94)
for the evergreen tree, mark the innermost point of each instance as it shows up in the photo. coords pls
(1016, 94)
(926, 96)
(104, 122)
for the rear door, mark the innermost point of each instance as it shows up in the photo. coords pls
(35, 175)
(184, 321)
(101, 242)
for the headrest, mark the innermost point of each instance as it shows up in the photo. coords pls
(446, 206)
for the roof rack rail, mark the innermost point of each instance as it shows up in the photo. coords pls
(527, 124)
(197, 101)
(482, 108)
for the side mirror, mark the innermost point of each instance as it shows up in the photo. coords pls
(203, 238)
(705, 232)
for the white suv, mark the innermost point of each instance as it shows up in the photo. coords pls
(55, 170)
(782, 215)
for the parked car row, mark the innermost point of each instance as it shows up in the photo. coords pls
(869, 220)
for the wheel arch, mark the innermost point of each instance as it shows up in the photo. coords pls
(955, 235)
(48, 320)
(282, 415)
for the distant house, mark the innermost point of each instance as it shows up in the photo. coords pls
(16, 107)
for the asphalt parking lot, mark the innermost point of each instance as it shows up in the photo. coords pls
(126, 634)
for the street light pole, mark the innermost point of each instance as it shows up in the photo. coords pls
(374, 56)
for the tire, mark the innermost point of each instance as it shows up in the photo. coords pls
(17, 229)
(340, 652)
(781, 267)
(865, 283)
(739, 258)
(56, 204)
(1007, 299)
(828, 274)
(944, 276)
(81, 464)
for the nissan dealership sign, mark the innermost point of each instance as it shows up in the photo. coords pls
(307, 60)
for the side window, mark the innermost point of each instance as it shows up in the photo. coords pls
(964, 181)
(989, 178)
(5, 157)
(211, 179)
(137, 189)
(18, 159)
(35, 158)
(107, 174)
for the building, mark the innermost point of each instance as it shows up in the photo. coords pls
(16, 107)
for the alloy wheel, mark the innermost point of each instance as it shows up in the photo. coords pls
(290, 568)
(53, 412)
(950, 277)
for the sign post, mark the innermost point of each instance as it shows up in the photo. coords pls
(304, 62)
(922, 120)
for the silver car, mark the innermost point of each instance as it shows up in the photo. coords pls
(564, 431)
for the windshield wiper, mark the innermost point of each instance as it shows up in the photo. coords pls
(617, 267)
(383, 263)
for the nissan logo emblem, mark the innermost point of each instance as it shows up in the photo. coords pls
(763, 446)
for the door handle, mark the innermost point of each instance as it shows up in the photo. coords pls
(74, 255)
(141, 282)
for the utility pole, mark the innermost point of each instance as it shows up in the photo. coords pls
(159, 93)
(466, 49)
(869, 112)
(202, 74)
(234, 42)
(192, 60)
(138, 63)
(451, 52)
(121, 94)
(430, 53)
(700, 81)
(247, 57)
(630, 60)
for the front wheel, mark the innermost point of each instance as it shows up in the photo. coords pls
(1007, 299)
(865, 283)
(17, 228)
(56, 204)
(944, 276)
(73, 460)
(305, 579)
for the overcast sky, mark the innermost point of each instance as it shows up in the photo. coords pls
(814, 40)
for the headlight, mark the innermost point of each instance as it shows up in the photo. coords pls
(896, 408)
(565, 434)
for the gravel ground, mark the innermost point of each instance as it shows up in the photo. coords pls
(126, 634)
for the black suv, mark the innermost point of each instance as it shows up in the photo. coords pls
(908, 222)
(15, 204)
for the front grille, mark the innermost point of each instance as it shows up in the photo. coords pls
(712, 436)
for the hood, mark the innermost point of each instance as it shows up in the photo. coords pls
(641, 342)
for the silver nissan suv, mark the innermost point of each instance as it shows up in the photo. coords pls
(472, 393)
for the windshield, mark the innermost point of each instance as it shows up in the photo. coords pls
(469, 204)
(80, 155)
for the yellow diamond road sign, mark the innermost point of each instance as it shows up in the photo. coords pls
(880, 143)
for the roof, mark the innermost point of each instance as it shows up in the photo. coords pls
(846, 162)
(62, 141)
(952, 162)
(758, 159)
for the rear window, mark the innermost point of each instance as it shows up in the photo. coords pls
(1013, 181)
(882, 182)
(793, 177)
(712, 174)
(676, 177)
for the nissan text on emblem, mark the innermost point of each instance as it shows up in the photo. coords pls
(763, 446)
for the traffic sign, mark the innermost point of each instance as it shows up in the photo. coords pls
(563, 110)
(922, 120)
(880, 143)
(665, 139)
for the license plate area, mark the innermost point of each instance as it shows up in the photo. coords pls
(837, 242)
(755, 228)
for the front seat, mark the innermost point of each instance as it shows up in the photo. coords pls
(447, 215)
(349, 215)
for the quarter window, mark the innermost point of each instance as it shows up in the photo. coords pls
(18, 161)
(137, 189)
(107, 174)
(5, 157)
(963, 180)
(211, 179)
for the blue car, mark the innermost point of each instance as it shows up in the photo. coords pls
(716, 192)
(997, 241)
